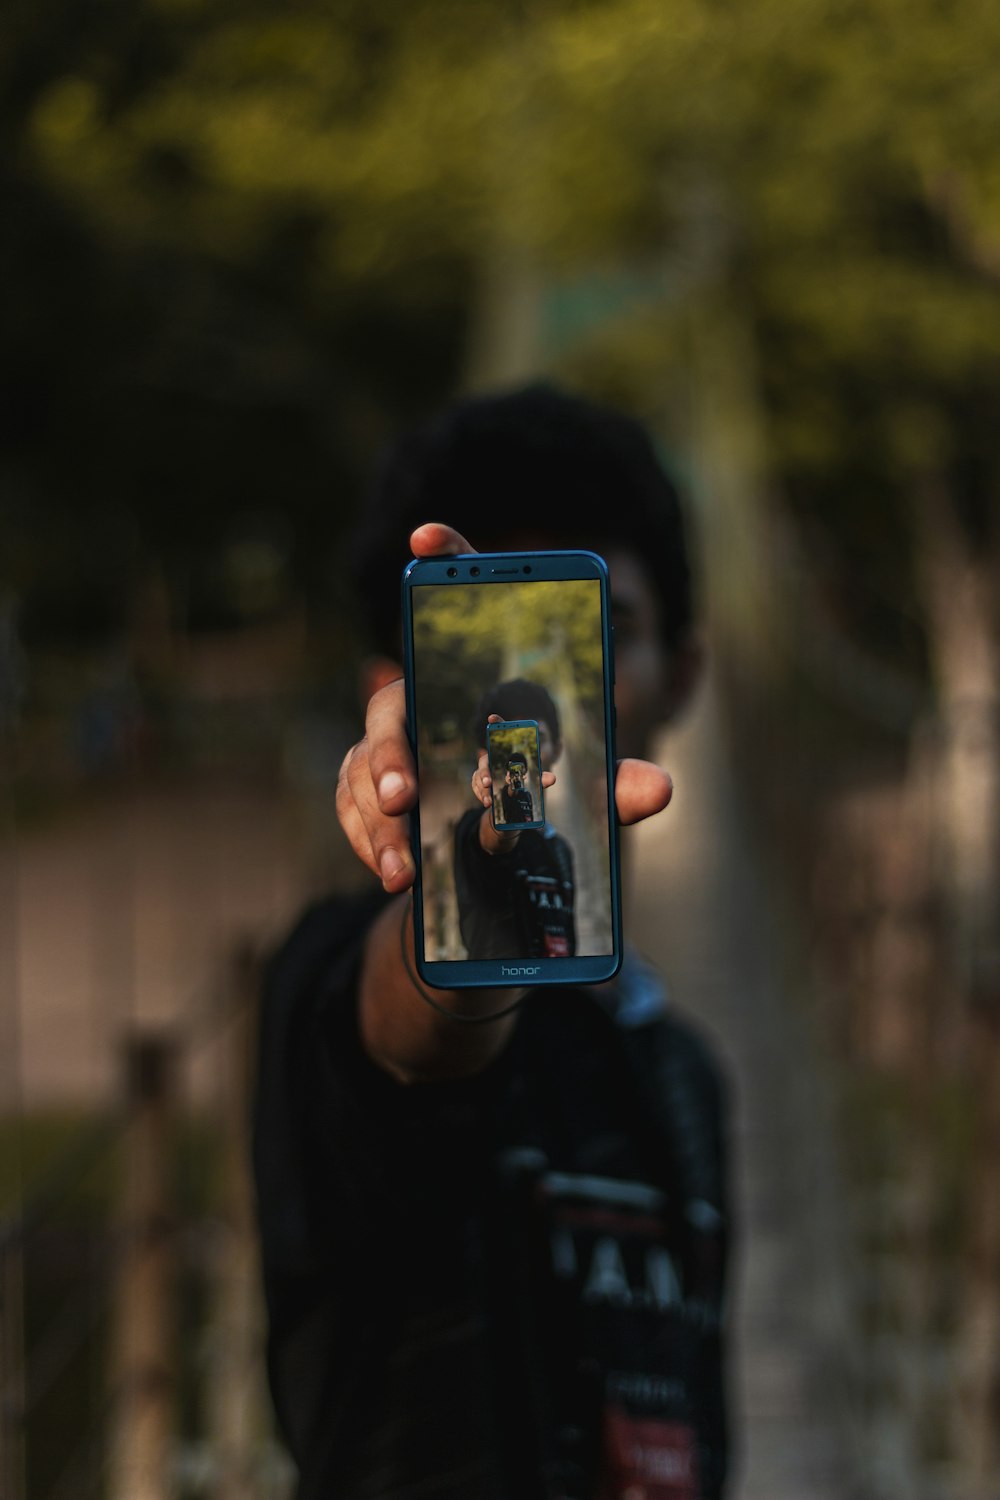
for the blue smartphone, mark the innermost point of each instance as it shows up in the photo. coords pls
(525, 890)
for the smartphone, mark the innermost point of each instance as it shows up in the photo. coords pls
(513, 749)
(524, 636)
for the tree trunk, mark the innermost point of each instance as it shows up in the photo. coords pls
(959, 589)
(502, 349)
(965, 658)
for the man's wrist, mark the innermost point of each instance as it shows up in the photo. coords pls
(491, 841)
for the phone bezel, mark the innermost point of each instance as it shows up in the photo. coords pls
(486, 570)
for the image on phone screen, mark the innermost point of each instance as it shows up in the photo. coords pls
(516, 774)
(531, 878)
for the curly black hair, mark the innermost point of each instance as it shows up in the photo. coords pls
(536, 460)
(518, 698)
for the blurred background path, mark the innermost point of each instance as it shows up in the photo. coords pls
(704, 910)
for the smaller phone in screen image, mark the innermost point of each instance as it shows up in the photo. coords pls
(516, 771)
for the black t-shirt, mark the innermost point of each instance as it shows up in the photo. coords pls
(517, 805)
(517, 903)
(500, 1288)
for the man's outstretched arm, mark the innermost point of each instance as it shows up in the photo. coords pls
(376, 791)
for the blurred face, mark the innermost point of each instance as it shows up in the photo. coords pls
(548, 746)
(643, 668)
(649, 682)
(647, 687)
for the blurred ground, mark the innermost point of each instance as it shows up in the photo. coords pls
(127, 912)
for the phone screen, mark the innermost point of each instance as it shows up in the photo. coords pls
(525, 638)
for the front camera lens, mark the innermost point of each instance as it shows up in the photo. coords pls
(526, 568)
(474, 572)
(452, 572)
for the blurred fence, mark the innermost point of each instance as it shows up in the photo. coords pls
(130, 1318)
(150, 852)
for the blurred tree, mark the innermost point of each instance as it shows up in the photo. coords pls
(828, 171)
(274, 227)
(160, 384)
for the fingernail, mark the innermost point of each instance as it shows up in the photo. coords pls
(390, 865)
(390, 786)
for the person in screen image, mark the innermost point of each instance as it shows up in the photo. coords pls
(515, 796)
(515, 888)
(494, 1240)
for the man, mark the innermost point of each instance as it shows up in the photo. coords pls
(493, 1243)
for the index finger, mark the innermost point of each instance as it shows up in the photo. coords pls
(389, 759)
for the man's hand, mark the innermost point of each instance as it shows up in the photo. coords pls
(482, 781)
(377, 786)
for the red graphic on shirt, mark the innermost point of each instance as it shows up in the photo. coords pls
(647, 1459)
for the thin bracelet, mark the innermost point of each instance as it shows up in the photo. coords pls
(494, 1015)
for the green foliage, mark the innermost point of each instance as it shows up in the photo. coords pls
(333, 177)
(469, 639)
(579, 125)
